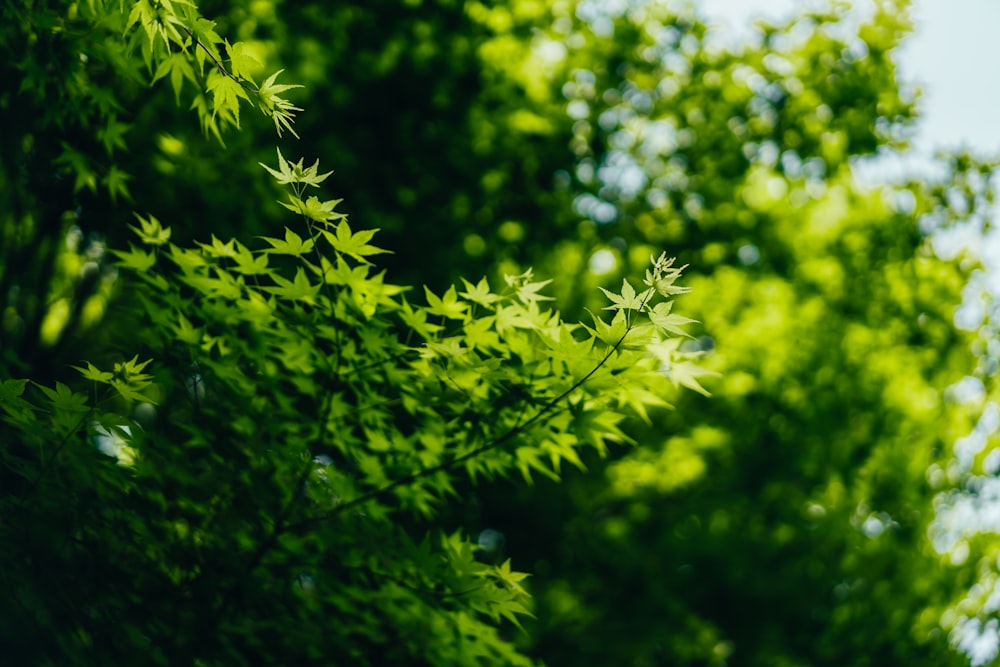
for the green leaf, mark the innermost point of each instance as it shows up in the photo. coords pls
(628, 299)
(662, 276)
(136, 260)
(11, 389)
(204, 32)
(613, 333)
(150, 231)
(219, 249)
(226, 94)
(116, 182)
(288, 173)
(686, 374)
(353, 245)
(416, 319)
(63, 398)
(281, 110)
(291, 245)
(79, 165)
(178, 66)
(513, 317)
(185, 331)
(285, 173)
(299, 289)
(130, 392)
(314, 209)
(92, 372)
(189, 261)
(663, 319)
(112, 135)
(447, 306)
(479, 293)
(249, 264)
(528, 292)
(675, 367)
(132, 368)
(269, 88)
(242, 61)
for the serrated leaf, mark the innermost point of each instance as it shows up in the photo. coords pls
(291, 245)
(269, 88)
(353, 244)
(185, 331)
(528, 291)
(613, 333)
(686, 374)
(447, 305)
(92, 372)
(226, 94)
(137, 260)
(248, 263)
(130, 392)
(314, 209)
(63, 398)
(479, 293)
(284, 174)
(242, 61)
(628, 299)
(150, 230)
(219, 249)
(663, 319)
(11, 389)
(281, 110)
(298, 289)
(116, 183)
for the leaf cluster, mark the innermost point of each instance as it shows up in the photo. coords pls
(303, 424)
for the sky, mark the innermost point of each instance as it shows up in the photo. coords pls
(952, 56)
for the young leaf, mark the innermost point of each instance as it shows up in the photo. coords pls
(135, 259)
(292, 245)
(353, 245)
(132, 391)
(218, 248)
(299, 289)
(225, 96)
(247, 263)
(479, 293)
(63, 398)
(447, 306)
(92, 372)
(314, 209)
(11, 389)
(281, 110)
(611, 334)
(664, 320)
(628, 299)
(150, 231)
(527, 292)
(242, 61)
(284, 174)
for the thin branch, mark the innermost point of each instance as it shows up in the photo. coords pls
(548, 407)
(218, 64)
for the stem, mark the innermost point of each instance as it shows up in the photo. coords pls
(218, 64)
(512, 433)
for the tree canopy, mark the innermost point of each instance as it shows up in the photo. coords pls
(258, 412)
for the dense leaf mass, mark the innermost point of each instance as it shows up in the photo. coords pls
(243, 423)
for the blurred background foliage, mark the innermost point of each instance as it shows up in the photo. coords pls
(784, 520)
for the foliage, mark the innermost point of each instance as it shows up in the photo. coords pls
(784, 521)
(78, 68)
(281, 464)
